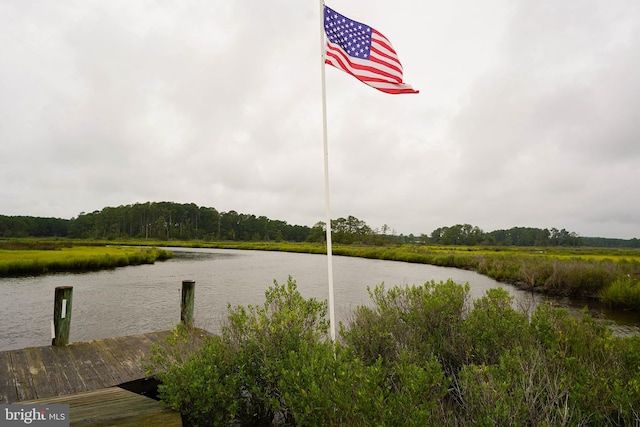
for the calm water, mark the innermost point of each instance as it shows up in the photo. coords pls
(133, 300)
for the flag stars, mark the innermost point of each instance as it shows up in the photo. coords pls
(353, 37)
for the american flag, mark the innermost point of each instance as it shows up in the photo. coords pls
(363, 52)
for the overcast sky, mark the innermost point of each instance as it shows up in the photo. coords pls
(528, 112)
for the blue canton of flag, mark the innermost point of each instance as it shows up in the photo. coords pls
(353, 37)
(363, 52)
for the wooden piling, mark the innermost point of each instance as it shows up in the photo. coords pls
(62, 315)
(187, 305)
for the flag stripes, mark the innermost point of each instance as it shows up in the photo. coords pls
(363, 52)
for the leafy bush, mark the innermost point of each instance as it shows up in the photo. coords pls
(425, 319)
(493, 327)
(419, 355)
(328, 386)
(234, 377)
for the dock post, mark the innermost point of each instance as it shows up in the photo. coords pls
(187, 305)
(62, 315)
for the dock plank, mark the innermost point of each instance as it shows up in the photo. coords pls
(8, 391)
(49, 382)
(22, 378)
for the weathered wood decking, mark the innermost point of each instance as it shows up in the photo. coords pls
(114, 406)
(43, 372)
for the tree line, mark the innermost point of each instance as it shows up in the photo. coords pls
(175, 221)
(466, 234)
(29, 226)
(156, 221)
(167, 220)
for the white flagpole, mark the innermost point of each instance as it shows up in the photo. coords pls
(332, 317)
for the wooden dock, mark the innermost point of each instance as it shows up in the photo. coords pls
(39, 372)
(94, 378)
(114, 406)
(86, 375)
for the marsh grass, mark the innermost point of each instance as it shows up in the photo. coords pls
(622, 293)
(15, 262)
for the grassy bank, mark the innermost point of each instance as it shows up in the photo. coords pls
(612, 275)
(33, 258)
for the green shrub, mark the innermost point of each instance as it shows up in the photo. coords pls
(418, 356)
(565, 333)
(327, 386)
(424, 319)
(206, 387)
(235, 376)
(264, 335)
(494, 326)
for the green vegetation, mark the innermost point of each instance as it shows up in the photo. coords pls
(416, 356)
(187, 221)
(623, 293)
(574, 272)
(33, 257)
(28, 226)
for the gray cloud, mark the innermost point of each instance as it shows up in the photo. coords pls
(553, 128)
(528, 114)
